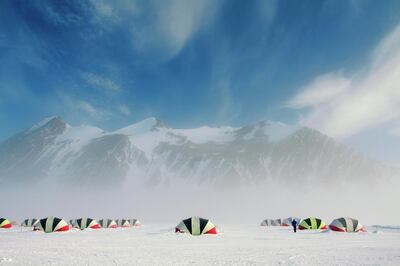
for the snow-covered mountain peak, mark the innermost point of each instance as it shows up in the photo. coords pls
(82, 132)
(48, 122)
(158, 154)
(207, 134)
(310, 133)
(142, 127)
(272, 130)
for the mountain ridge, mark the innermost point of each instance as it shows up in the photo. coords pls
(158, 155)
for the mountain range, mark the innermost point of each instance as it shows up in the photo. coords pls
(154, 154)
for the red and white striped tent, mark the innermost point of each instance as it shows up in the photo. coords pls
(134, 222)
(5, 223)
(84, 223)
(123, 223)
(51, 224)
(108, 223)
(127, 222)
(196, 226)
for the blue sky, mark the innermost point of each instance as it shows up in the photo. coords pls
(192, 62)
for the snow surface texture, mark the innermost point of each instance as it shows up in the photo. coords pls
(237, 245)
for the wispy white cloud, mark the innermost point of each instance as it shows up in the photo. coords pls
(114, 12)
(228, 110)
(321, 90)
(14, 92)
(124, 109)
(100, 82)
(343, 106)
(59, 17)
(104, 9)
(157, 27)
(357, 5)
(177, 21)
(82, 107)
(267, 9)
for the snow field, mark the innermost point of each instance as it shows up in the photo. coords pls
(157, 244)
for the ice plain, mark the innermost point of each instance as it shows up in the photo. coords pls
(238, 244)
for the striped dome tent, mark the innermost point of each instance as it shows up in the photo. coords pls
(271, 222)
(123, 223)
(288, 221)
(346, 224)
(134, 222)
(266, 222)
(196, 226)
(29, 222)
(312, 223)
(83, 223)
(51, 224)
(4, 223)
(108, 223)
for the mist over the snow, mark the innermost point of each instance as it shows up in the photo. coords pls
(158, 174)
(371, 204)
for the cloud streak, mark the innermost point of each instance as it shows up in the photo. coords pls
(100, 82)
(343, 106)
(82, 107)
(176, 22)
(124, 109)
(157, 27)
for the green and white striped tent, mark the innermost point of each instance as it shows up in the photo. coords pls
(312, 223)
(123, 223)
(107, 223)
(271, 222)
(346, 224)
(29, 222)
(83, 223)
(51, 224)
(196, 226)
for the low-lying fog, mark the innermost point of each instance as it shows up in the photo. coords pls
(371, 204)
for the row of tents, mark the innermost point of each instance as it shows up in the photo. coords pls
(55, 224)
(192, 225)
(342, 224)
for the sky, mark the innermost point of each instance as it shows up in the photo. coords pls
(332, 65)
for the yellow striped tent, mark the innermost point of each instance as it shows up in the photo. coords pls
(5, 223)
(196, 226)
(51, 224)
(312, 223)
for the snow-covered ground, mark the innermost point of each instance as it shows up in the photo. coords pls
(237, 245)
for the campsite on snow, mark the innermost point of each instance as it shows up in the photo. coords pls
(270, 243)
(199, 132)
(240, 177)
